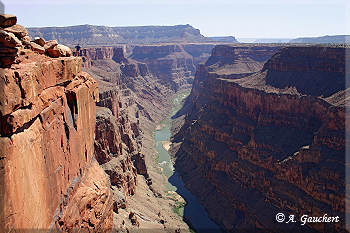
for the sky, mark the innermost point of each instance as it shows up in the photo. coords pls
(242, 19)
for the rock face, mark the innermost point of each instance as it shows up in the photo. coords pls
(303, 67)
(260, 150)
(170, 63)
(49, 176)
(101, 35)
(173, 65)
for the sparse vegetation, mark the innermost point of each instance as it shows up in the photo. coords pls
(178, 208)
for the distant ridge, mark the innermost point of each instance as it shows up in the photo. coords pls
(229, 39)
(264, 40)
(323, 39)
(102, 35)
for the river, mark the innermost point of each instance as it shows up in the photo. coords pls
(193, 213)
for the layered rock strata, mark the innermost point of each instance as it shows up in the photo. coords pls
(262, 150)
(110, 36)
(49, 176)
(174, 65)
(170, 63)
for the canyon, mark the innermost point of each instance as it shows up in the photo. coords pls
(262, 132)
(77, 150)
(266, 141)
(136, 86)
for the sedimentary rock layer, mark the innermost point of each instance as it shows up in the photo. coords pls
(174, 65)
(102, 35)
(260, 150)
(49, 176)
(170, 63)
(317, 70)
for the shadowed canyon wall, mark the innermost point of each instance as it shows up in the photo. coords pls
(266, 143)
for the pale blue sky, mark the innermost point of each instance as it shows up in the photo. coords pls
(249, 18)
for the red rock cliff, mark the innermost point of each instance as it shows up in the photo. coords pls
(260, 150)
(170, 63)
(48, 173)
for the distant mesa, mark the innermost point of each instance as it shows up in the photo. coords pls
(228, 39)
(272, 40)
(102, 35)
(320, 40)
(264, 40)
(323, 39)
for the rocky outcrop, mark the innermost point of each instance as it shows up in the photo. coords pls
(48, 173)
(89, 35)
(10, 42)
(14, 36)
(260, 150)
(7, 20)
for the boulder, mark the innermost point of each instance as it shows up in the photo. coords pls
(6, 62)
(37, 48)
(25, 40)
(18, 30)
(8, 51)
(53, 52)
(7, 56)
(64, 50)
(8, 39)
(40, 41)
(7, 20)
(50, 44)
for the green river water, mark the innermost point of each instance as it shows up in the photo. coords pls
(193, 213)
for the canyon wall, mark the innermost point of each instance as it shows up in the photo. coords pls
(49, 176)
(171, 65)
(88, 35)
(265, 143)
